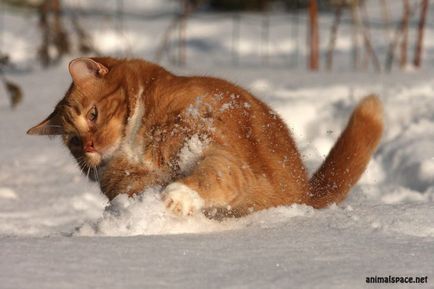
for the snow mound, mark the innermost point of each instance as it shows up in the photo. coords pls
(410, 156)
(400, 195)
(145, 214)
(7, 193)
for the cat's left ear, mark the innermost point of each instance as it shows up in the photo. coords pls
(83, 70)
(49, 126)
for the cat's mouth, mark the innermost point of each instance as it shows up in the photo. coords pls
(93, 159)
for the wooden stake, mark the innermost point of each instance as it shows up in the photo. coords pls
(313, 35)
(419, 44)
(370, 52)
(404, 42)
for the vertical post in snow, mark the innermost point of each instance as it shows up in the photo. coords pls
(386, 18)
(3, 57)
(404, 42)
(333, 35)
(369, 49)
(313, 35)
(2, 26)
(356, 23)
(44, 57)
(61, 39)
(12, 89)
(295, 34)
(395, 41)
(419, 44)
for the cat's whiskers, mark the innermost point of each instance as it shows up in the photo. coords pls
(88, 171)
(95, 172)
(84, 166)
(81, 163)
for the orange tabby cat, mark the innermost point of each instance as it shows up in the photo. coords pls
(210, 144)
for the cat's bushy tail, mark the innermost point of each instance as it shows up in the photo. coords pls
(350, 155)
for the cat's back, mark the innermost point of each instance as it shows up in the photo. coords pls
(231, 107)
(238, 118)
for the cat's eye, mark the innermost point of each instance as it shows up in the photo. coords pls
(92, 114)
(75, 141)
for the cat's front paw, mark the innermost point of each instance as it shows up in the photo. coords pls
(181, 200)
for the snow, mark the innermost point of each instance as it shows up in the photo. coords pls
(191, 152)
(7, 193)
(58, 231)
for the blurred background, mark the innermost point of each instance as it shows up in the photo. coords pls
(375, 36)
(310, 60)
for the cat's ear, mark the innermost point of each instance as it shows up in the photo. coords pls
(49, 126)
(85, 69)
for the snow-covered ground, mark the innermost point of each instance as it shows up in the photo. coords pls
(52, 220)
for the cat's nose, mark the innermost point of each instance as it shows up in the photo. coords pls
(88, 147)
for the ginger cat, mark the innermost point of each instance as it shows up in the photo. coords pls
(210, 144)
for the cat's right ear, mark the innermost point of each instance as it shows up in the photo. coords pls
(49, 126)
(84, 70)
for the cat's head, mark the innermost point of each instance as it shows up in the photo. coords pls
(91, 117)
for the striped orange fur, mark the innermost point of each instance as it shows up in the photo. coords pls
(211, 145)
